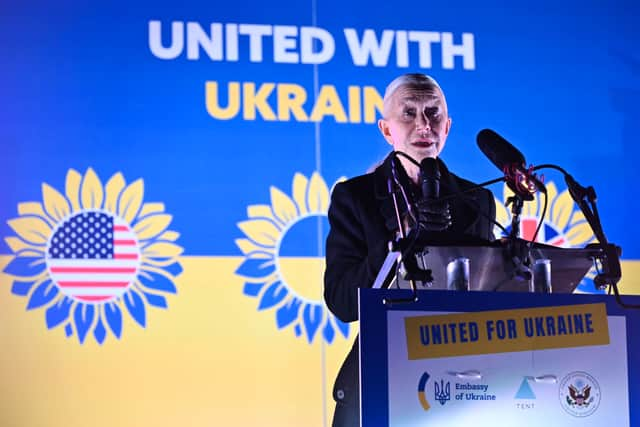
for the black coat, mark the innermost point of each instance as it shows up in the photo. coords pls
(363, 222)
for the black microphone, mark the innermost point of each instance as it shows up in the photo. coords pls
(520, 179)
(430, 178)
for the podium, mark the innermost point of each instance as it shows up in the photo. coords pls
(497, 359)
(433, 356)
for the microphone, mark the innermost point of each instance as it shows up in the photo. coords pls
(520, 179)
(430, 178)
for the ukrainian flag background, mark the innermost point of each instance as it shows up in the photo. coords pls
(238, 335)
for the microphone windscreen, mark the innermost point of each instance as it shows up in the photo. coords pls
(429, 167)
(498, 150)
(430, 172)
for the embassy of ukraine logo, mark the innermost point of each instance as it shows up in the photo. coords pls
(89, 254)
(284, 258)
(562, 224)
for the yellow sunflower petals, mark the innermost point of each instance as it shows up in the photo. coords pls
(91, 193)
(171, 236)
(300, 183)
(55, 203)
(562, 209)
(259, 211)
(247, 246)
(552, 193)
(261, 231)
(113, 188)
(580, 234)
(162, 250)
(506, 193)
(502, 215)
(318, 195)
(578, 216)
(72, 188)
(151, 226)
(131, 200)
(283, 207)
(149, 208)
(33, 230)
(16, 245)
(33, 208)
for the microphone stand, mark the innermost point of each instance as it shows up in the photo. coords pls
(391, 184)
(516, 203)
(609, 259)
(523, 183)
(517, 249)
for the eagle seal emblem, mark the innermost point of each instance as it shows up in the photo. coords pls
(579, 394)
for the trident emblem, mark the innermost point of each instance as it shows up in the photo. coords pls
(442, 392)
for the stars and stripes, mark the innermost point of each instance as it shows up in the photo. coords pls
(93, 256)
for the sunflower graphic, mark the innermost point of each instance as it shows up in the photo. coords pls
(562, 225)
(283, 264)
(89, 255)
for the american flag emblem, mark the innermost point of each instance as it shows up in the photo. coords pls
(93, 256)
(548, 233)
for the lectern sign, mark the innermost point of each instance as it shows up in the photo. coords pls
(506, 331)
(497, 359)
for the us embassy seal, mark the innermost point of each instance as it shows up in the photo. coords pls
(579, 394)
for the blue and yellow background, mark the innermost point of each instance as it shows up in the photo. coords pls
(246, 340)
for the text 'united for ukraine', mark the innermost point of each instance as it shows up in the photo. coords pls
(506, 330)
